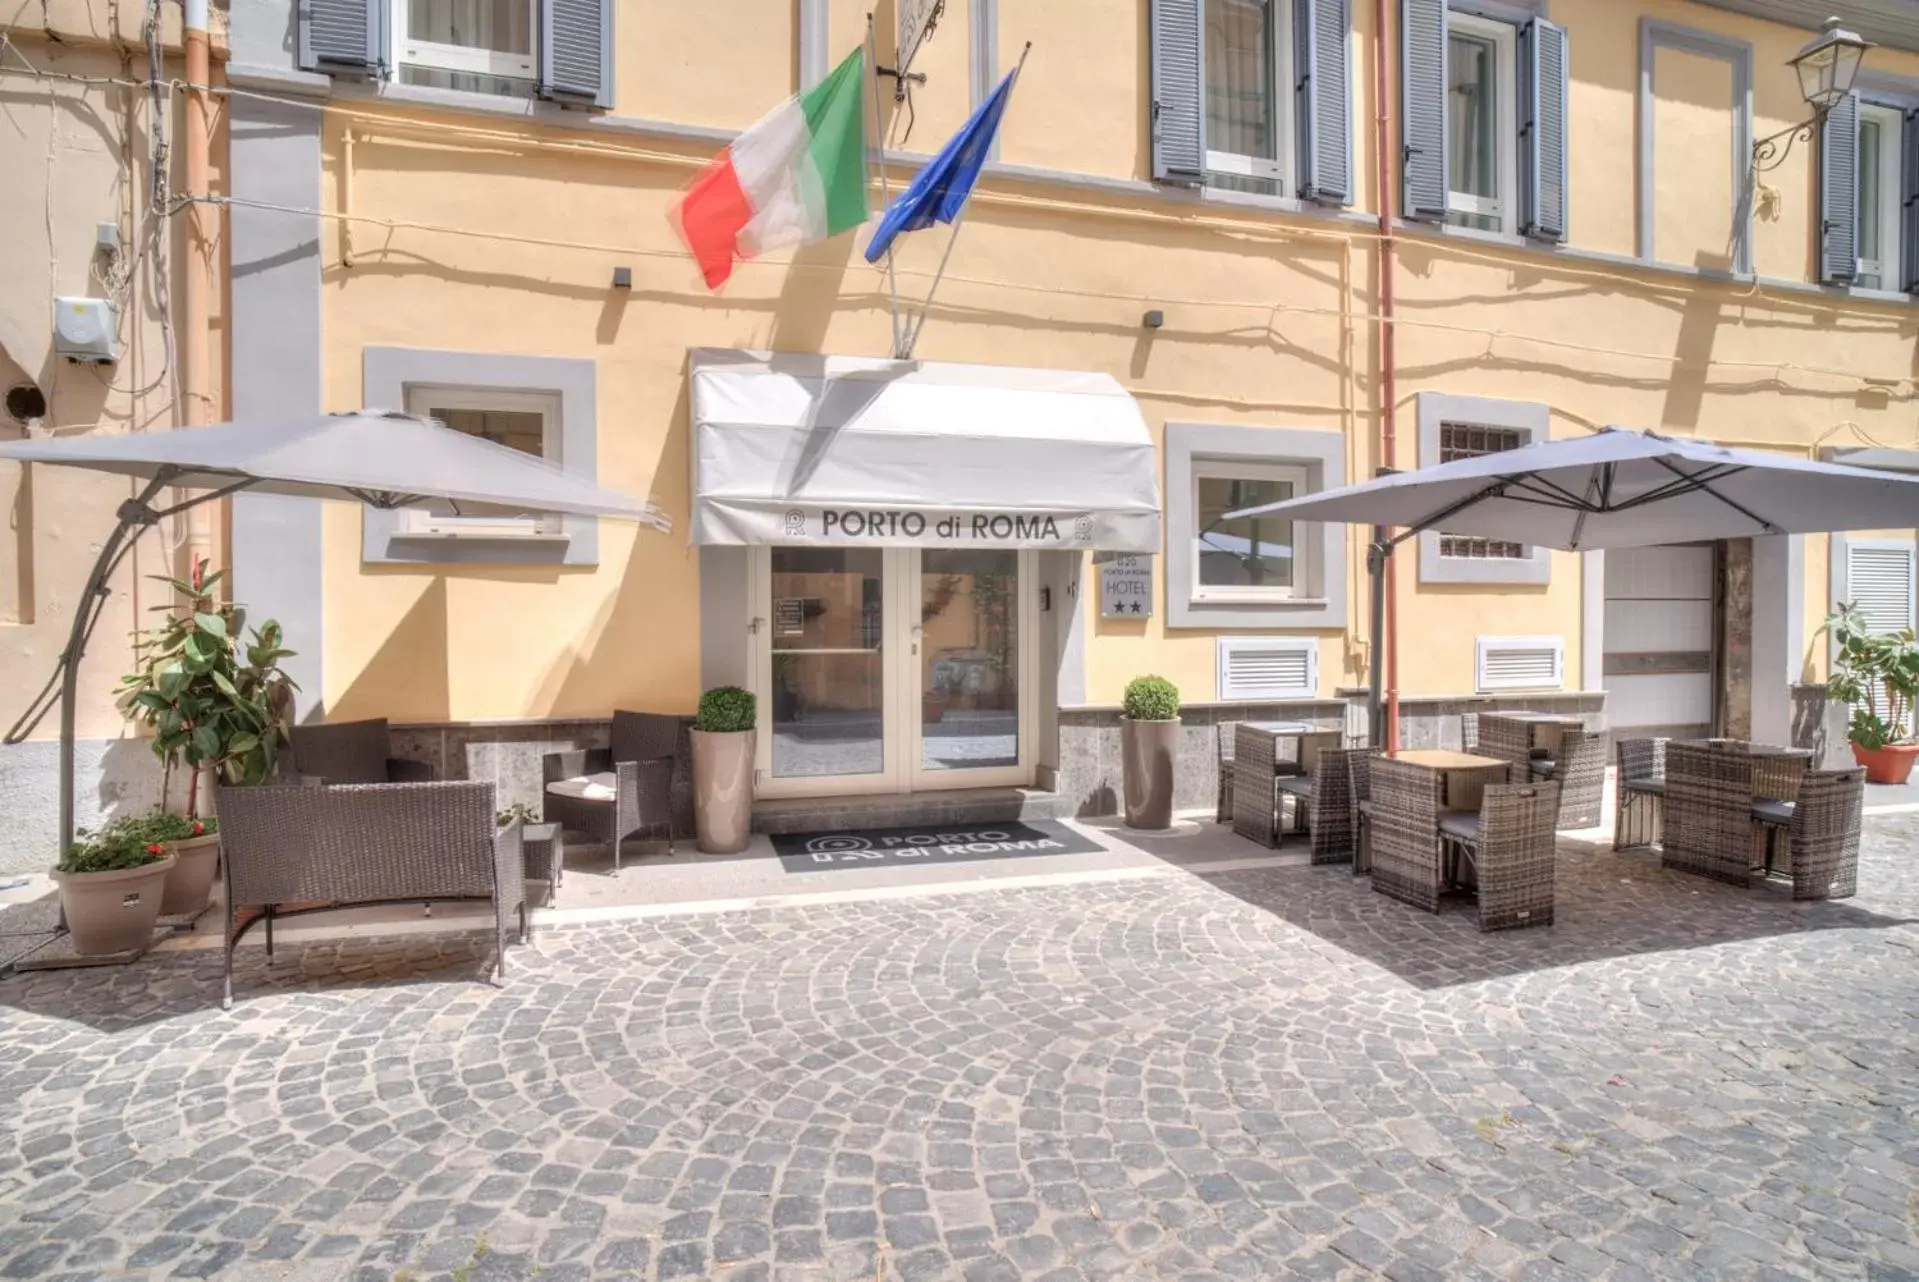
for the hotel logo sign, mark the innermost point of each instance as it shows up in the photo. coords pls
(932, 526)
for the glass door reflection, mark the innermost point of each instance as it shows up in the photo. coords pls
(969, 659)
(828, 651)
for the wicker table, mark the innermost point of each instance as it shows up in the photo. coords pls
(1257, 763)
(545, 848)
(1711, 785)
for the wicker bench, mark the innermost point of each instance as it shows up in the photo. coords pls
(291, 849)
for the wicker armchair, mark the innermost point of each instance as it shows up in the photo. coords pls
(1223, 802)
(1403, 831)
(633, 792)
(1323, 800)
(353, 752)
(1510, 846)
(290, 849)
(1708, 812)
(1359, 770)
(1641, 792)
(1580, 772)
(1821, 829)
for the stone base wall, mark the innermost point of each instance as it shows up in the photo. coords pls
(1819, 723)
(1443, 721)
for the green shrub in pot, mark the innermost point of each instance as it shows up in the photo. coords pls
(1151, 699)
(1149, 750)
(724, 747)
(726, 710)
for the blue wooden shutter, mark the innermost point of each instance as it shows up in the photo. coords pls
(1179, 92)
(1909, 201)
(1839, 193)
(1542, 130)
(343, 37)
(1322, 98)
(1422, 103)
(576, 51)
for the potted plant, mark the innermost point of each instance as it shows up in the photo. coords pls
(111, 883)
(723, 750)
(1149, 746)
(218, 707)
(1878, 675)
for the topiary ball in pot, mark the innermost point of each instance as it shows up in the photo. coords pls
(1151, 699)
(724, 747)
(1149, 750)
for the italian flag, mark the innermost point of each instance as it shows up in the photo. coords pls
(798, 175)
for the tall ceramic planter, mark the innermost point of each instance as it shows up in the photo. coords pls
(1148, 750)
(191, 882)
(723, 790)
(1890, 764)
(113, 912)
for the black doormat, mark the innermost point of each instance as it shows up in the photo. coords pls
(923, 844)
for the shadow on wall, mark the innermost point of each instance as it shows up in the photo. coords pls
(406, 679)
(114, 777)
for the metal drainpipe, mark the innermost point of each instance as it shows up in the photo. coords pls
(1388, 371)
(196, 283)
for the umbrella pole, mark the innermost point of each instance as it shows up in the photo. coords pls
(1376, 555)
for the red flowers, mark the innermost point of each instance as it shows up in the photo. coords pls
(155, 848)
(199, 829)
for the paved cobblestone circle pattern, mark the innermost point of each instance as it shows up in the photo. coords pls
(1256, 1075)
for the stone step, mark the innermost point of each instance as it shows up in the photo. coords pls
(901, 810)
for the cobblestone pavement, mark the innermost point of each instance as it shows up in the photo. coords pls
(1258, 1075)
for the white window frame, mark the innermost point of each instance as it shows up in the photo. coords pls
(1891, 122)
(409, 52)
(1482, 645)
(1277, 170)
(1505, 41)
(1231, 469)
(1229, 646)
(423, 398)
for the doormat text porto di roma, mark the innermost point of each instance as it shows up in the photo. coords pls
(942, 844)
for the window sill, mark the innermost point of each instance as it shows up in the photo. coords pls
(415, 536)
(1865, 294)
(1258, 603)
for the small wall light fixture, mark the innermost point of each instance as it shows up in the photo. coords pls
(622, 278)
(1153, 319)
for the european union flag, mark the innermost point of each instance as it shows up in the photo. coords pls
(940, 190)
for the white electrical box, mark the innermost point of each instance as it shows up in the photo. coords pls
(86, 330)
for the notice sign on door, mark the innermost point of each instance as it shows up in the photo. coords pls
(1126, 588)
(789, 616)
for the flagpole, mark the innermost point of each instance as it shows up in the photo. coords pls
(886, 190)
(959, 221)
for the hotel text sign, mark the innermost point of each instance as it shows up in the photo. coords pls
(934, 526)
(1126, 588)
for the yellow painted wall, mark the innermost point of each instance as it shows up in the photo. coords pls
(1267, 322)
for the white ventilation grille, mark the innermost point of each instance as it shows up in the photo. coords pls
(1521, 663)
(1260, 668)
(1879, 580)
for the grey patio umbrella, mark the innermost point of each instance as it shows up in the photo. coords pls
(1614, 488)
(377, 457)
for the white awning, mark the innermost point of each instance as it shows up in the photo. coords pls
(854, 451)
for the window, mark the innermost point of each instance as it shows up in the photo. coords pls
(1481, 134)
(1879, 187)
(1880, 581)
(1461, 441)
(1246, 94)
(481, 46)
(524, 421)
(1248, 558)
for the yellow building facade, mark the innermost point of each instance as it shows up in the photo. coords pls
(1185, 199)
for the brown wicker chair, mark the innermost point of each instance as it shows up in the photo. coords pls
(642, 757)
(1403, 831)
(1359, 768)
(1580, 772)
(290, 849)
(1641, 792)
(1510, 846)
(1223, 802)
(1821, 829)
(1323, 802)
(353, 752)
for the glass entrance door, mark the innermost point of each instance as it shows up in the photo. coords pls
(968, 667)
(892, 669)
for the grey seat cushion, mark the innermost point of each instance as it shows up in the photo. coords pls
(1296, 785)
(1463, 827)
(1652, 785)
(1366, 807)
(1544, 767)
(1777, 813)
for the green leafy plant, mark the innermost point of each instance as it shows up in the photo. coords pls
(114, 848)
(217, 705)
(1151, 699)
(1877, 674)
(518, 812)
(726, 710)
(164, 825)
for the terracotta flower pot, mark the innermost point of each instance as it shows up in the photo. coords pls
(1148, 751)
(723, 790)
(113, 912)
(1890, 764)
(191, 881)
